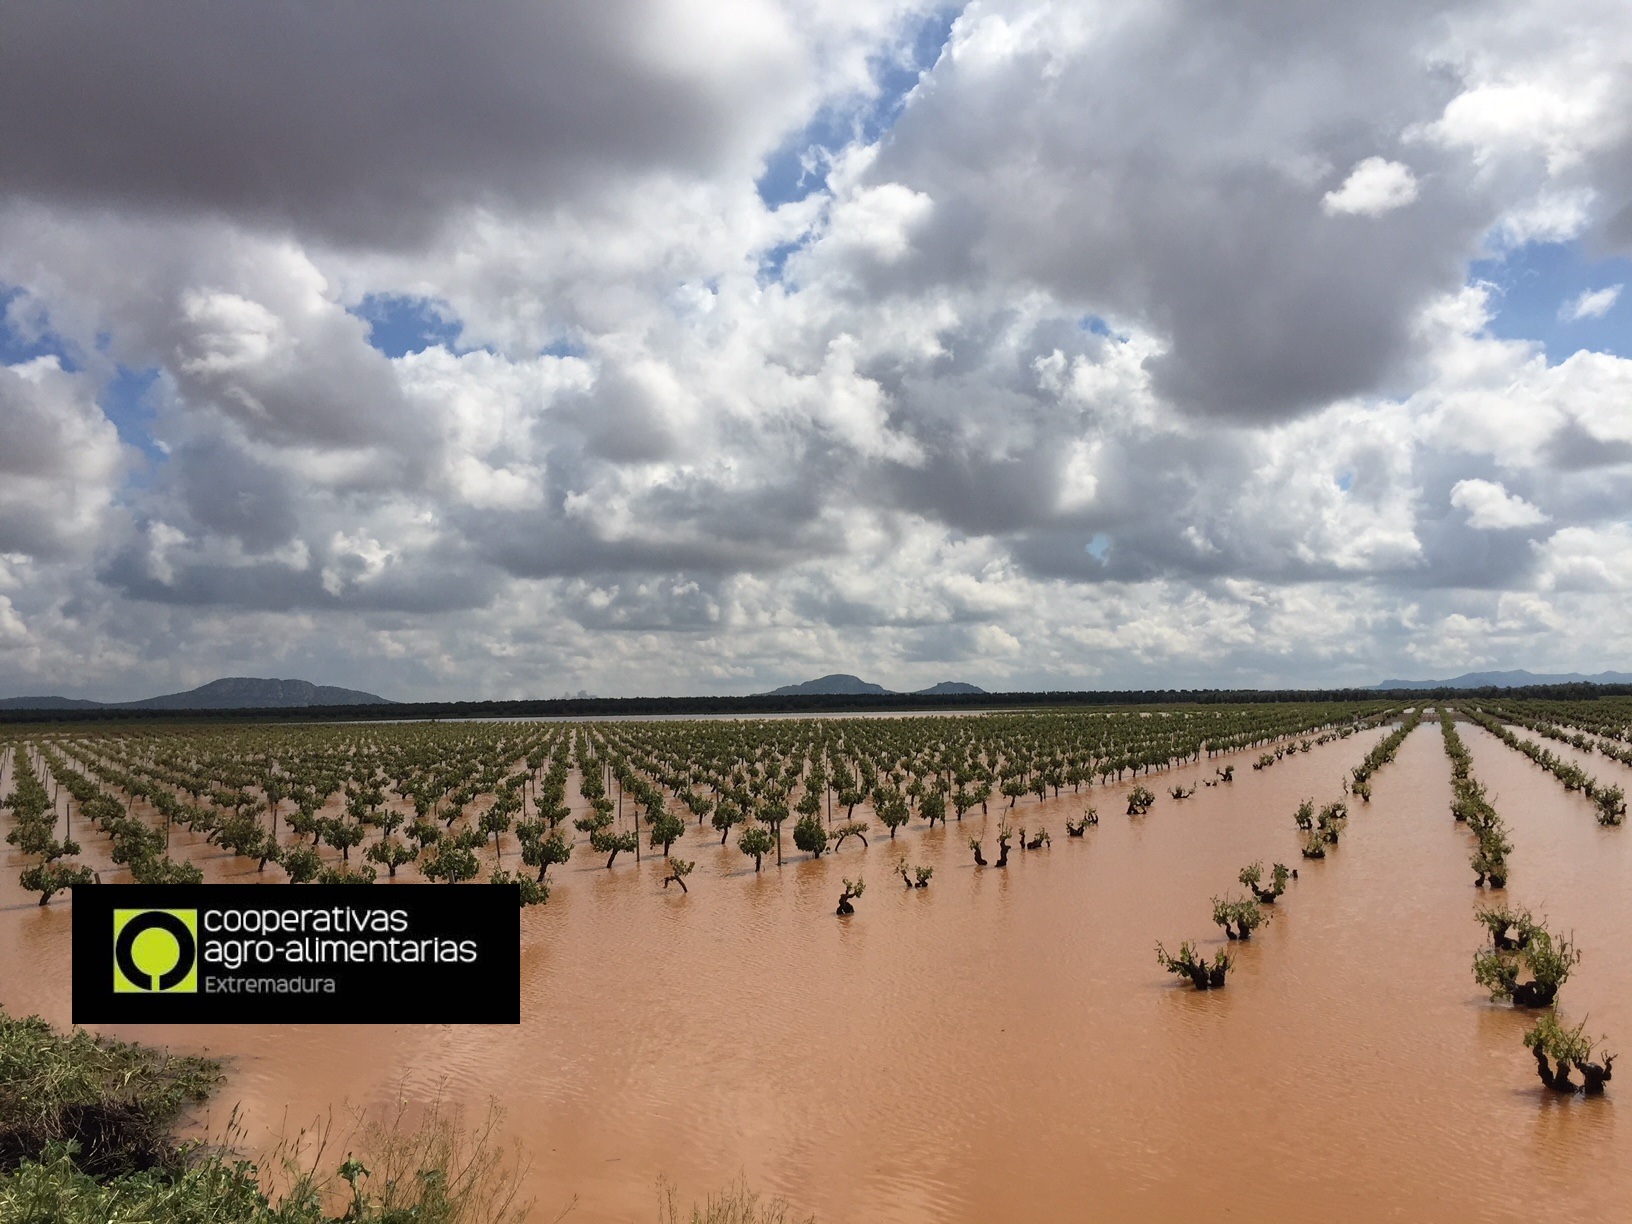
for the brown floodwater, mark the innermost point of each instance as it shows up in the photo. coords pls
(1002, 1045)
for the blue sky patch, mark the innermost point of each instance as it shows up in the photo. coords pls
(127, 401)
(400, 324)
(20, 343)
(562, 348)
(799, 165)
(124, 400)
(1098, 326)
(775, 260)
(1538, 284)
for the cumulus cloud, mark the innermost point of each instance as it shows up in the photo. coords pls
(1588, 559)
(1101, 345)
(1067, 149)
(1492, 508)
(60, 461)
(1374, 187)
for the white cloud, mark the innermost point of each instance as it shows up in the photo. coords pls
(61, 462)
(1551, 215)
(1374, 187)
(1492, 508)
(1597, 559)
(1006, 334)
(1497, 119)
(13, 633)
(879, 221)
(1501, 399)
(1590, 304)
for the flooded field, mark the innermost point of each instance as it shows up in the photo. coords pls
(1002, 1045)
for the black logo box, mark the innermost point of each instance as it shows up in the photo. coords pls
(470, 973)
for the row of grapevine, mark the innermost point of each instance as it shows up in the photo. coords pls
(1609, 800)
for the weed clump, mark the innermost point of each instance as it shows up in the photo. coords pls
(85, 1138)
(736, 1204)
(112, 1100)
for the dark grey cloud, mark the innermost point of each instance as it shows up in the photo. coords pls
(362, 121)
(982, 495)
(951, 643)
(645, 602)
(440, 579)
(233, 494)
(1454, 557)
(620, 419)
(1171, 170)
(694, 526)
(1572, 448)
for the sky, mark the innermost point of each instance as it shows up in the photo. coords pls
(674, 347)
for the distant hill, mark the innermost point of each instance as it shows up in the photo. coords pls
(848, 686)
(250, 693)
(231, 693)
(842, 685)
(1508, 679)
(46, 703)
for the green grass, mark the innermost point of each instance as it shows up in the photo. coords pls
(115, 1101)
(87, 1137)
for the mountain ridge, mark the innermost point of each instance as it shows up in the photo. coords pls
(226, 693)
(1508, 679)
(48, 703)
(837, 683)
(845, 685)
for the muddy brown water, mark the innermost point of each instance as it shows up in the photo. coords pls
(1002, 1044)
